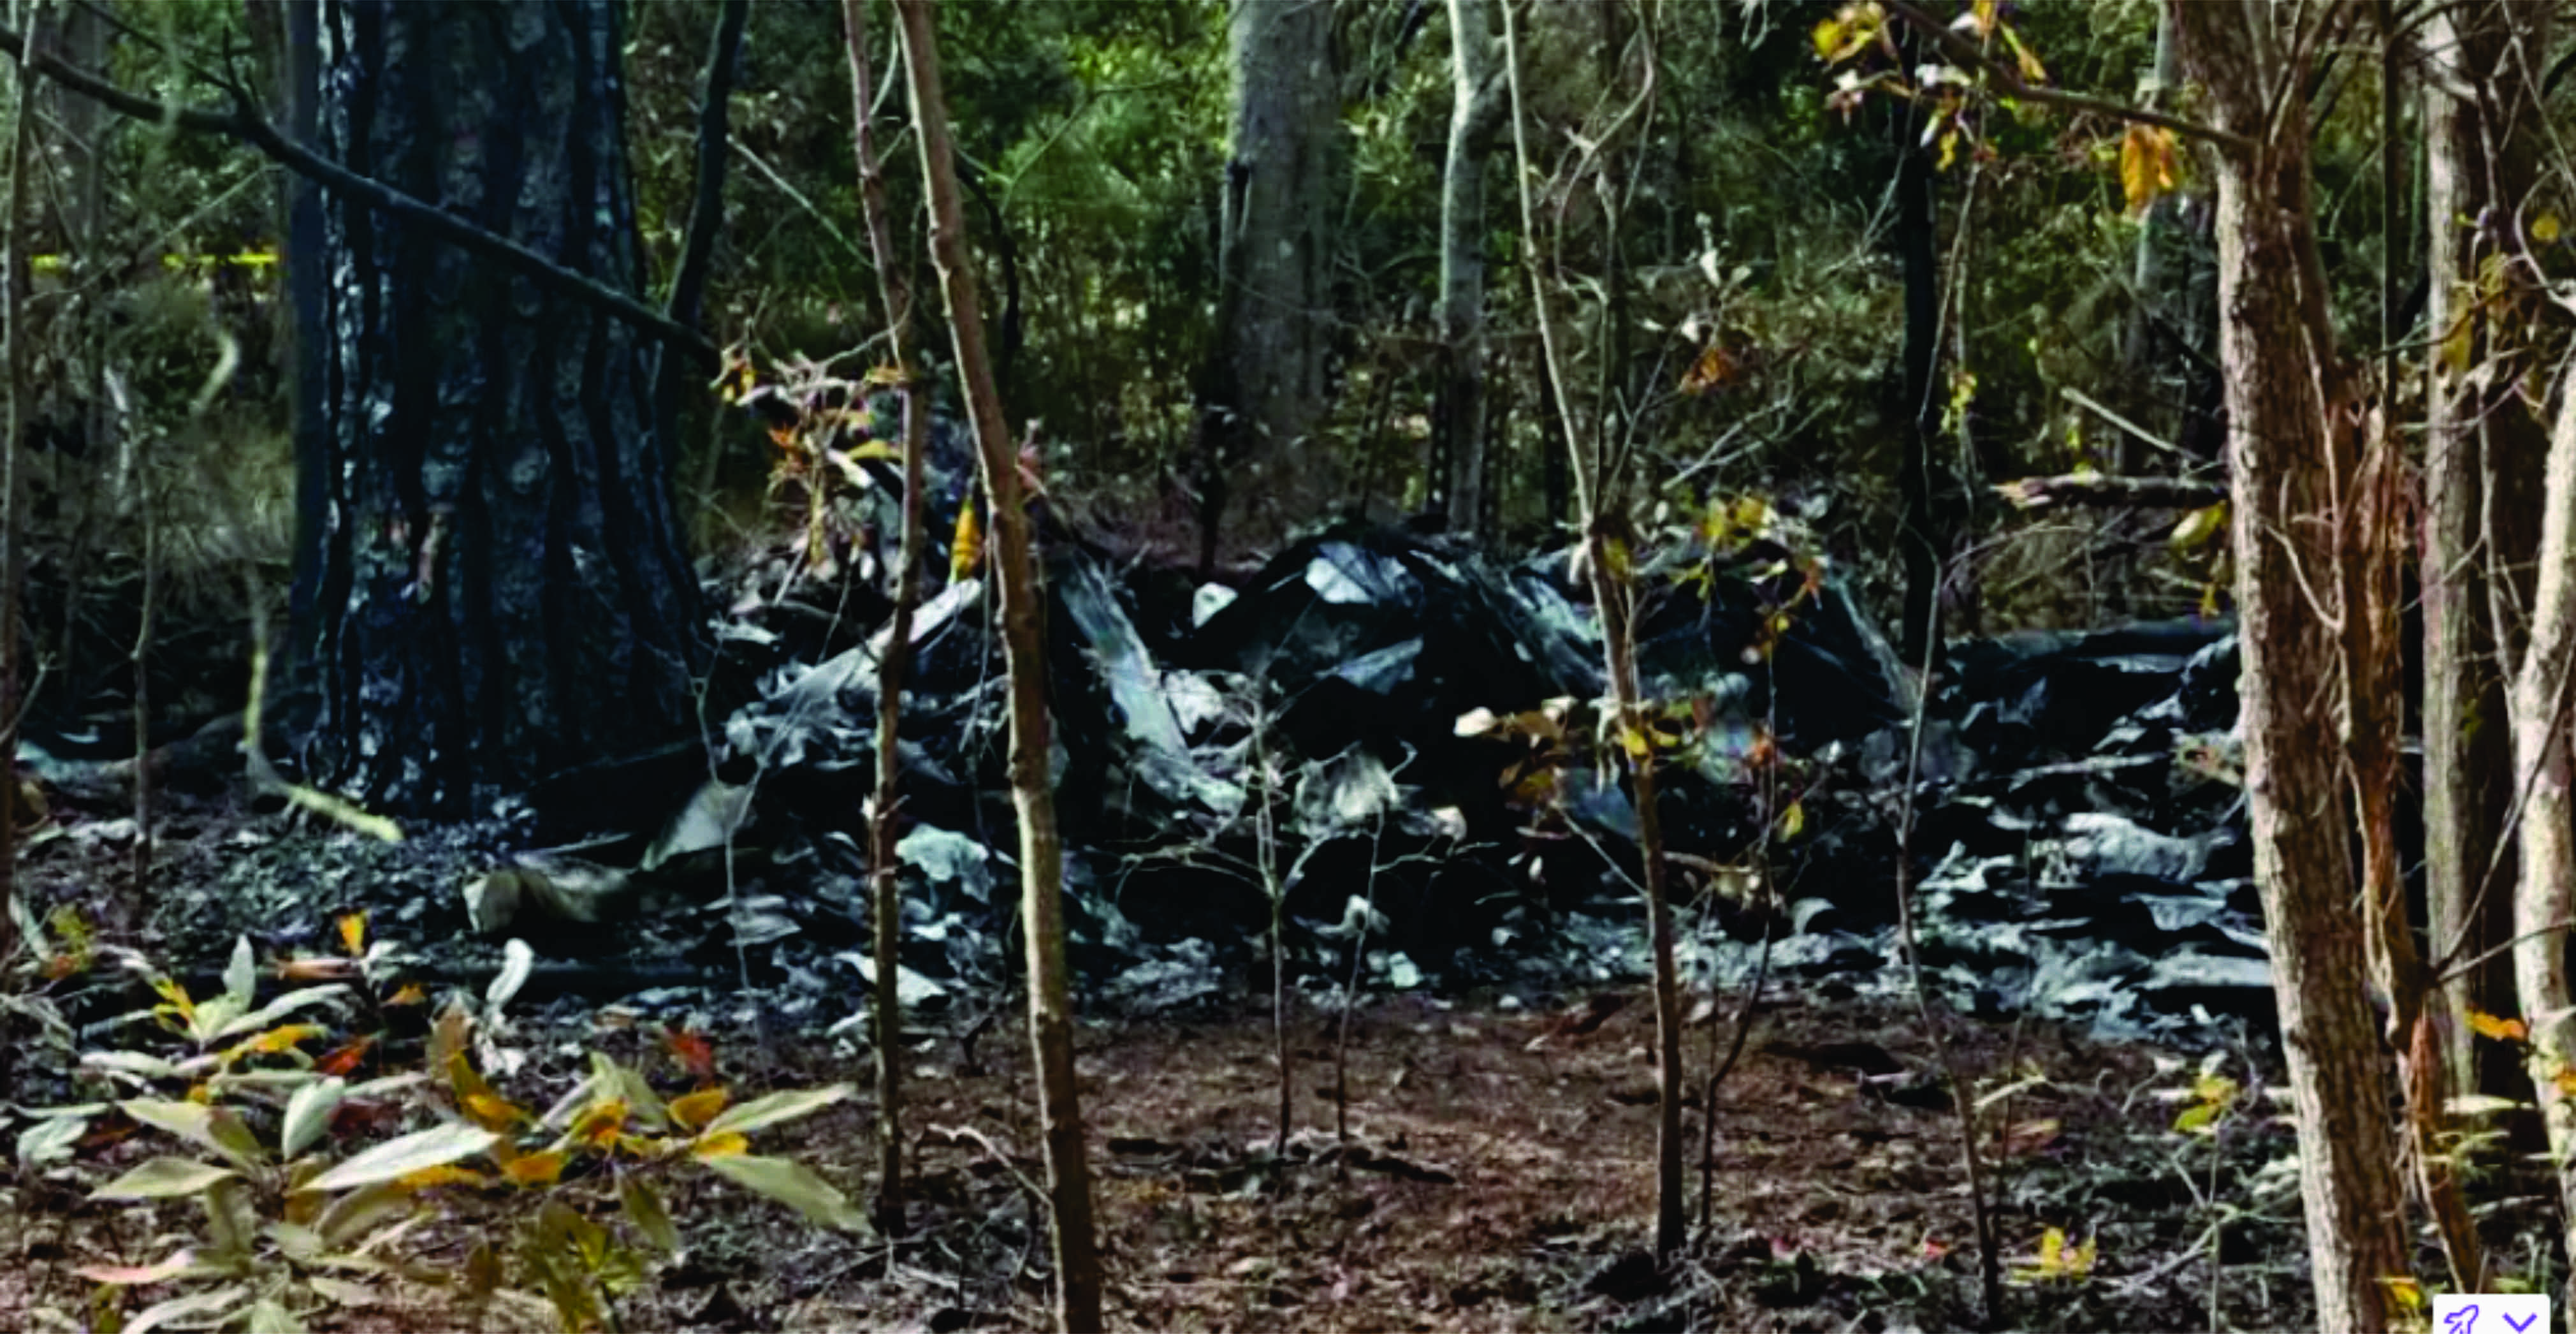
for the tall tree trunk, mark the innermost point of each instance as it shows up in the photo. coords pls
(884, 829)
(2546, 899)
(2291, 433)
(1458, 414)
(2483, 451)
(1077, 1260)
(496, 587)
(1608, 544)
(1281, 164)
(14, 270)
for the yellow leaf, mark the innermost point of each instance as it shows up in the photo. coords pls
(2149, 166)
(2459, 342)
(1793, 821)
(2407, 1292)
(696, 1109)
(2198, 528)
(727, 1145)
(2031, 70)
(2544, 228)
(353, 933)
(1949, 148)
(492, 1111)
(1615, 559)
(599, 1123)
(2502, 1030)
(536, 1169)
(410, 993)
(966, 549)
(278, 1039)
(1983, 12)
(1829, 38)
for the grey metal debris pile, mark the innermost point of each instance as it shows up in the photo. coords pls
(1302, 730)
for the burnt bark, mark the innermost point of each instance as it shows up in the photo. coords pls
(1917, 246)
(493, 586)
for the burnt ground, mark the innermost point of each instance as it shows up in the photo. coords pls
(1497, 1171)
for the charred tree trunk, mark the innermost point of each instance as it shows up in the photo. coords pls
(493, 582)
(14, 271)
(1077, 1257)
(2290, 436)
(1918, 253)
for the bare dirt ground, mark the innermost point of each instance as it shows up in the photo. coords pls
(1496, 1171)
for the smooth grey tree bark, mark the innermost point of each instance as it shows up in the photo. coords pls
(1458, 408)
(1275, 313)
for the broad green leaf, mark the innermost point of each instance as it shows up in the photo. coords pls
(341, 1292)
(776, 1108)
(630, 1087)
(187, 1308)
(308, 1114)
(132, 1063)
(51, 1140)
(301, 999)
(791, 1184)
(128, 1276)
(163, 1179)
(643, 1206)
(357, 1213)
(216, 1128)
(232, 1224)
(268, 1317)
(435, 1147)
(241, 976)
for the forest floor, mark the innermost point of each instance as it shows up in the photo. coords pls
(1497, 1170)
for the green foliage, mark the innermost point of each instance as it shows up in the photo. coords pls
(309, 1204)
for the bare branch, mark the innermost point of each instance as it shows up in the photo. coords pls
(2009, 80)
(243, 124)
